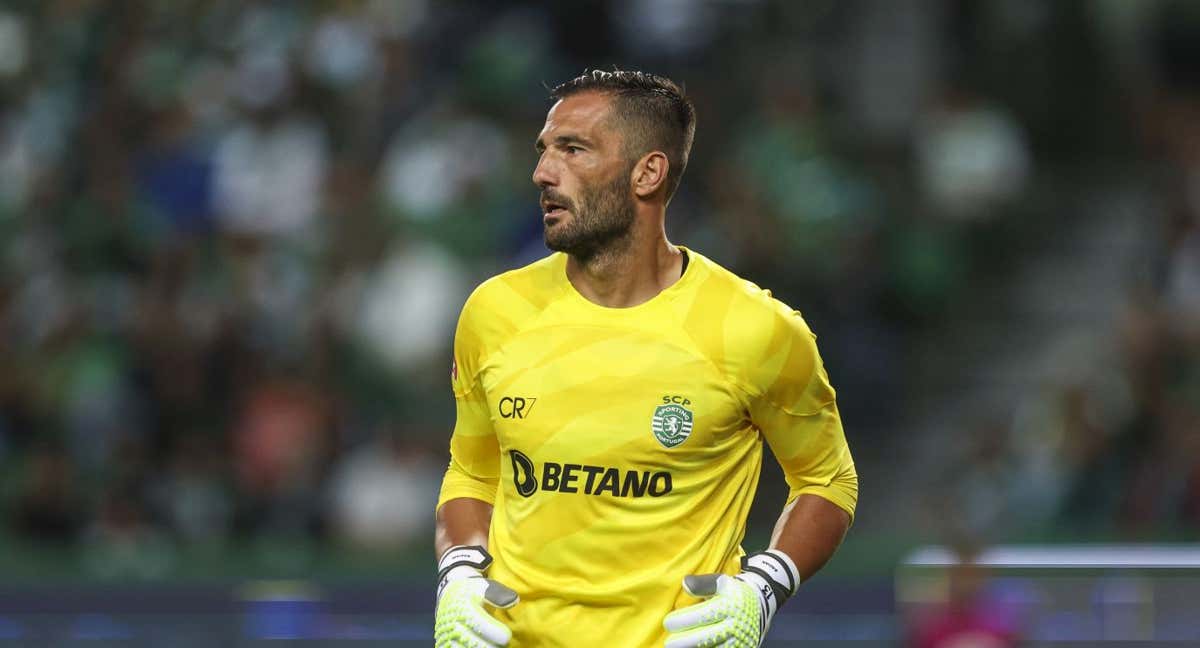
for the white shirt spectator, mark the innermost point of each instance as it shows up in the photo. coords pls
(269, 179)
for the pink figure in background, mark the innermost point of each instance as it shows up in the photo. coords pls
(969, 618)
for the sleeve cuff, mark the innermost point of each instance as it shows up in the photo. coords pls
(839, 497)
(455, 486)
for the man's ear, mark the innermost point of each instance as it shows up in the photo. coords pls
(650, 174)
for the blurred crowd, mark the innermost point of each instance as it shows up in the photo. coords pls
(1105, 443)
(235, 236)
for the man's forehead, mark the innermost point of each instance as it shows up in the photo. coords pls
(584, 112)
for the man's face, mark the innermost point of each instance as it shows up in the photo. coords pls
(587, 197)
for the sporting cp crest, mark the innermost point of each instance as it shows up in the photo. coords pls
(672, 424)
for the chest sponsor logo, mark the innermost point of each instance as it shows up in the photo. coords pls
(672, 421)
(523, 477)
(585, 479)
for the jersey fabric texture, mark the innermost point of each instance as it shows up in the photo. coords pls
(621, 447)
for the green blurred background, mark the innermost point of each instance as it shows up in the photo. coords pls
(235, 236)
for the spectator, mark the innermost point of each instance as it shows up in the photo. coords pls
(49, 507)
(971, 616)
(383, 490)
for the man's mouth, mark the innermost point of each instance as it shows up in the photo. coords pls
(553, 209)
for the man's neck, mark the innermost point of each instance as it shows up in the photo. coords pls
(629, 273)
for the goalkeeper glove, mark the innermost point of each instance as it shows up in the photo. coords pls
(460, 620)
(739, 608)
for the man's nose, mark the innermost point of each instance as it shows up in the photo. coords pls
(543, 174)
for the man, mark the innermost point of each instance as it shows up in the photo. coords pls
(612, 399)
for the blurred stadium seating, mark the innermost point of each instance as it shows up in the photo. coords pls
(234, 238)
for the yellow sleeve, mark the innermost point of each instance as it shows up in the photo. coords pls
(474, 469)
(795, 408)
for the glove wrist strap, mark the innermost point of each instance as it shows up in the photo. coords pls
(774, 575)
(461, 562)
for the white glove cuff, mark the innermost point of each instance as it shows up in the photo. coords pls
(777, 566)
(773, 575)
(461, 562)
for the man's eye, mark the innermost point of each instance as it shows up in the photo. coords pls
(573, 149)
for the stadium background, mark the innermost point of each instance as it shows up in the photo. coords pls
(234, 238)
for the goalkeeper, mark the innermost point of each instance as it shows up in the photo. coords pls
(612, 403)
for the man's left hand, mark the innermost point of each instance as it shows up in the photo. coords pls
(739, 608)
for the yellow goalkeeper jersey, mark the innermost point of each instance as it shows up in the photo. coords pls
(621, 447)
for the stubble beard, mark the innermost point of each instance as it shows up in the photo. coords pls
(601, 221)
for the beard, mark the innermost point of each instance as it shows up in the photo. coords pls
(601, 218)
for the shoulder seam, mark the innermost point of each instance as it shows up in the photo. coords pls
(503, 278)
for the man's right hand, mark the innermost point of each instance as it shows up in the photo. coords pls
(460, 620)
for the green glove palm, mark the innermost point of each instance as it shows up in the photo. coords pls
(738, 609)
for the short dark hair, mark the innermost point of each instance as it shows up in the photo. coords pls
(654, 111)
